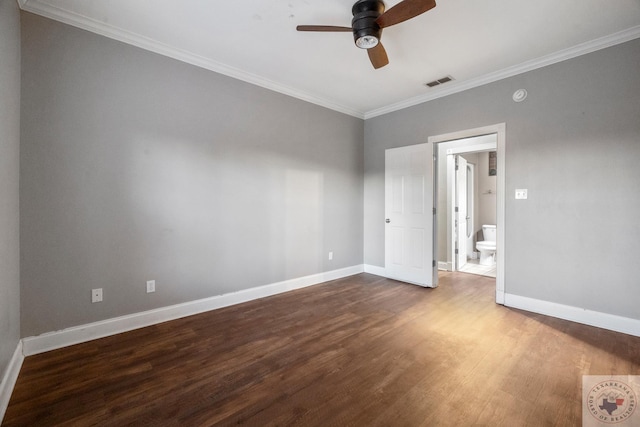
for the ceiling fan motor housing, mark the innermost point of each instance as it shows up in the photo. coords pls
(365, 13)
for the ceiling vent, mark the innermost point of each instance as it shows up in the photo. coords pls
(439, 81)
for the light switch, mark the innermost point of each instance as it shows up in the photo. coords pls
(521, 193)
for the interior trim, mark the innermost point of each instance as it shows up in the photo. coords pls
(612, 322)
(445, 266)
(67, 17)
(374, 269)
(9, 379)
(500, 130)
(41, 8)
(104, 328)
(562, 55)
(597, 319)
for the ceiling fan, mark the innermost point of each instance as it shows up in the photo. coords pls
(369, 18)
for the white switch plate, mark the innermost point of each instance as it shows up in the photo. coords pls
(330, 256)
(521, 193)
(151, 286)
(96, 295)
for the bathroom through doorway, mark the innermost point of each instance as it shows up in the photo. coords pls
(469, 197)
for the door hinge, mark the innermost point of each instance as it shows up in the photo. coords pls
(456, 209)
(434, 211)
(434, 263)
(456, 252)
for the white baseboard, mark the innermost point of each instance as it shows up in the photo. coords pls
(588, 317)
(374, 269)
(611, 322)
(445, 266)
(9, 379)
(116, 325)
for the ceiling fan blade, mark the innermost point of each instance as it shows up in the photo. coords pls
(378, 56)
(403, 11)
(324, 28)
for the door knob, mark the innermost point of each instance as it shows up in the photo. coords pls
(387, 220)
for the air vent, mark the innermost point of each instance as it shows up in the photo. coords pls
(439, 81)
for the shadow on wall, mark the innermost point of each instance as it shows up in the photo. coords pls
(201, 212)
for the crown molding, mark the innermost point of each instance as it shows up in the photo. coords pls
(562, 55)
(85, 23)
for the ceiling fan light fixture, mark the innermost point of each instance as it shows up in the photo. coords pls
(366, 33)
(369, 18)
(367, 42)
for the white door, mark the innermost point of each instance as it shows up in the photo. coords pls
(461, 218)
(409, 216)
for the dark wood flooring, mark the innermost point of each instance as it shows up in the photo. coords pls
(361, 351)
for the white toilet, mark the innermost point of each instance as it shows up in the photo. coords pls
(487, 247)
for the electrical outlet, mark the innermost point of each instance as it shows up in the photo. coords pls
(151, 286)
(96, 295)
(330, 256)
(521, 193)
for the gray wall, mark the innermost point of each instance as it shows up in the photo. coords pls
(9, 177)
(138, 167)
(574, 143)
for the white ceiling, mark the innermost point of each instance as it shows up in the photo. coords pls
(475, 41)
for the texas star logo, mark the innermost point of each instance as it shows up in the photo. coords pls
(611, 401)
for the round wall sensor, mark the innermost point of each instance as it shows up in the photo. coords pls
(519, 95)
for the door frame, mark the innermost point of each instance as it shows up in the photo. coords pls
(500, 130)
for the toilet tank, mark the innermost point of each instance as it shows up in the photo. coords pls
(489, 232)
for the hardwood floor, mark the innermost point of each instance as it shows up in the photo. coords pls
(361, 351)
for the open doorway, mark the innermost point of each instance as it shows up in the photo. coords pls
(467, 193)
(455, 241)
